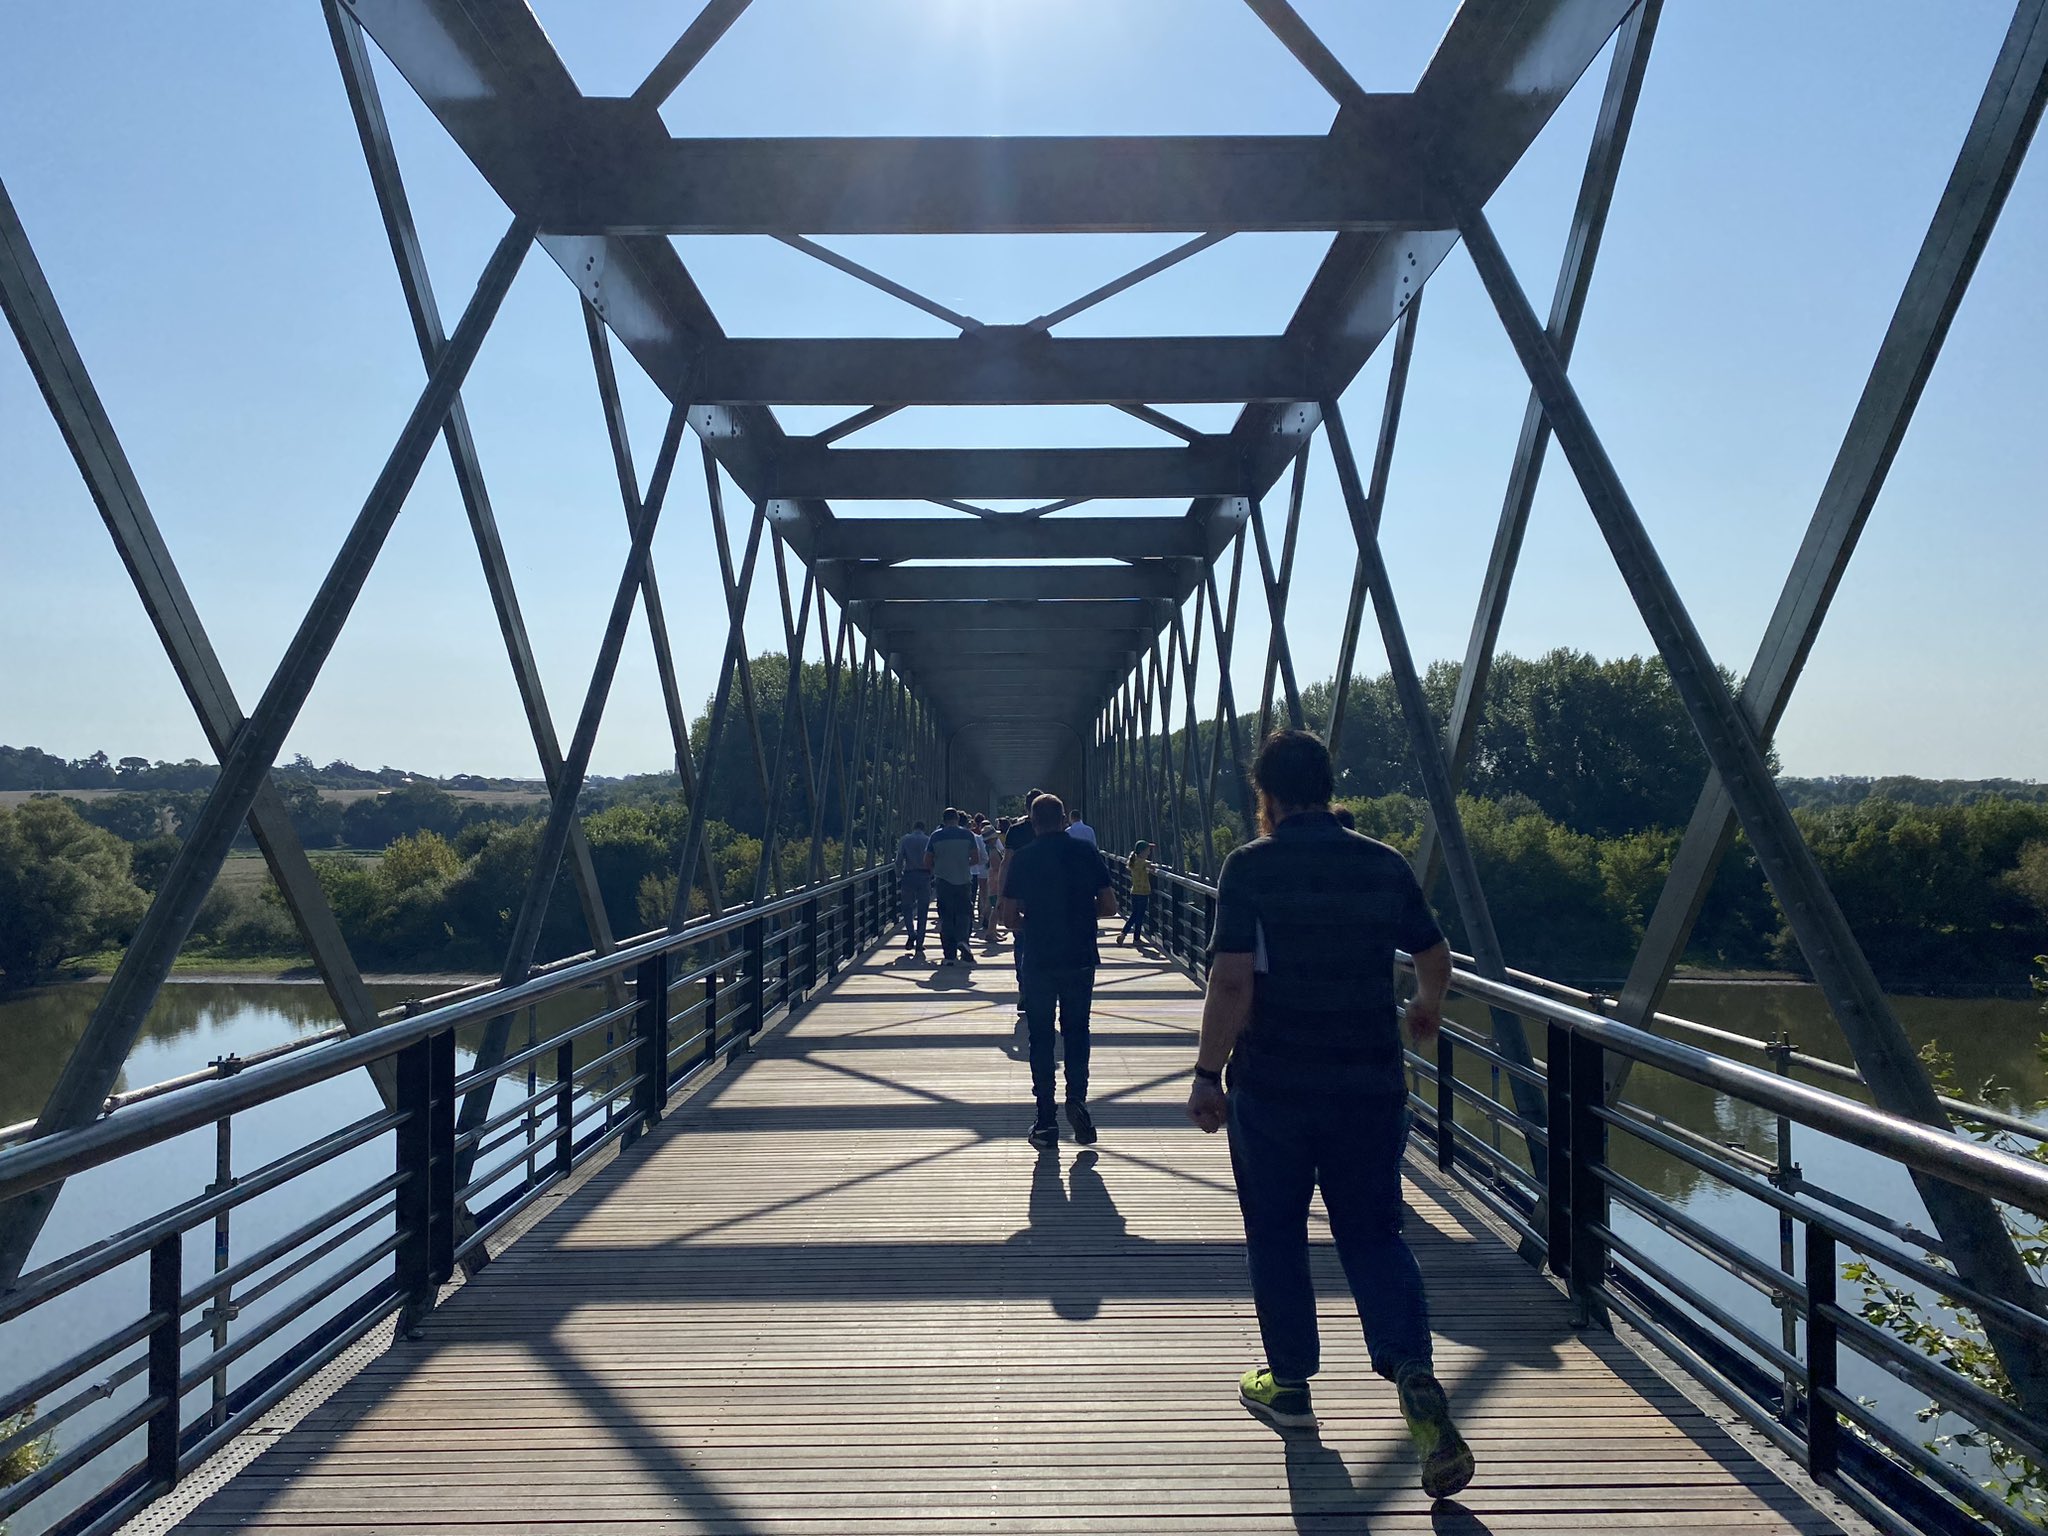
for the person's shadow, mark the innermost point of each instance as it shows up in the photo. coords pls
(1067, 1220)
(1324, 1499)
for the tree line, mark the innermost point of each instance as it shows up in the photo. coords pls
(1582, 774)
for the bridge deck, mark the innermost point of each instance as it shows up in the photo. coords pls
(837, 1291)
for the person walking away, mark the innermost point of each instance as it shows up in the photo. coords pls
(1057, 890)
(1016, 840)
(1140, 866)
(913, 884)
(998, 857)
(1301, 1008)
(977, 908)
(950, 857)
(1079, 830)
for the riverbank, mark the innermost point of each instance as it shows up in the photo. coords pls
(269, 970)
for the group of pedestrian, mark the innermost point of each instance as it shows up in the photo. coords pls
(1300, 1057)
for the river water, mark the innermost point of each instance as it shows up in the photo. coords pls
(193, 1024)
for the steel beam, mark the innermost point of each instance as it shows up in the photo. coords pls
(1496, 78)
(1993, 149)
(1279, 658)
(1508, 1033)
(1375, 502)
(1007, 365)
(1093, 615)
(650, 588)
(918, 646)
(688, 51)
(891, 539)
(95, 1063)
(366, 105)
(521, 948)
(865, 582)
(1977, 1241)
(732, 665)
(804, 469)
(1567, 305)
(488, 72)
(81, 415)
(1369, 179)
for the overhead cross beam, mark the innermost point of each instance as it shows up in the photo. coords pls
(1001, 365)
(869, 581)
(891, 539)
(805, 469)
(1369, 179)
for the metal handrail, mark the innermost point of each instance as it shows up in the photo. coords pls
(1787, 1390)
(58, 1156)
(1925, 1149)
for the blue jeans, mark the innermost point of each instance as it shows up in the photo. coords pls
(916, 891)
(1281, 1148)
(1072, 993)
(1135, 923)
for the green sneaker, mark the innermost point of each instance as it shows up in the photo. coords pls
(1447, 1463)
(1284, 1405)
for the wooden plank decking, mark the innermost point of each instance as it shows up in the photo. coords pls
(837, 1291)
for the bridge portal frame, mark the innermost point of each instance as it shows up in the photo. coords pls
(1399, 179)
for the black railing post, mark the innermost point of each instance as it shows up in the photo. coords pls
(565, 1107)
(440, 1160)
(166, 1291)
(849, 915)
(650, 994)
(1588, 1156)
(754, 937)
(414, 1203)
(1558, 1164)
(1446, 1100)
(1823, 1428)
(710, 1015)
(811, 930)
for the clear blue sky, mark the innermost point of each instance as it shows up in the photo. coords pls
(192, 183)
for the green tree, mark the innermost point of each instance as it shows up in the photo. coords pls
(65, 888)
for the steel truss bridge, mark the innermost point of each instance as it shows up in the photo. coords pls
(1068, 664)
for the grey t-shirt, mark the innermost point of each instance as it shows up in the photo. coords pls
(910, 854)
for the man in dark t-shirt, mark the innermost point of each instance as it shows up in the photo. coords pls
(1301, 1006)
(1016, 840)
(1051, 896)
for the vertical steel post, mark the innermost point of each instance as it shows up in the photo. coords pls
(220, 1309)
(166, 1354)
(1557, 1175)
(1823, 1427)
(754, 944)
(1446, 1101)
(412, 1199)
(650, 1023)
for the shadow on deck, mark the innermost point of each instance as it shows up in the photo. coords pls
(838, 1291)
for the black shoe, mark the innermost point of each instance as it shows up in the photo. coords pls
(1044, 1133)
(1082, 1122)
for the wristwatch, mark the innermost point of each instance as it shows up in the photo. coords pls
(1208, 1076)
